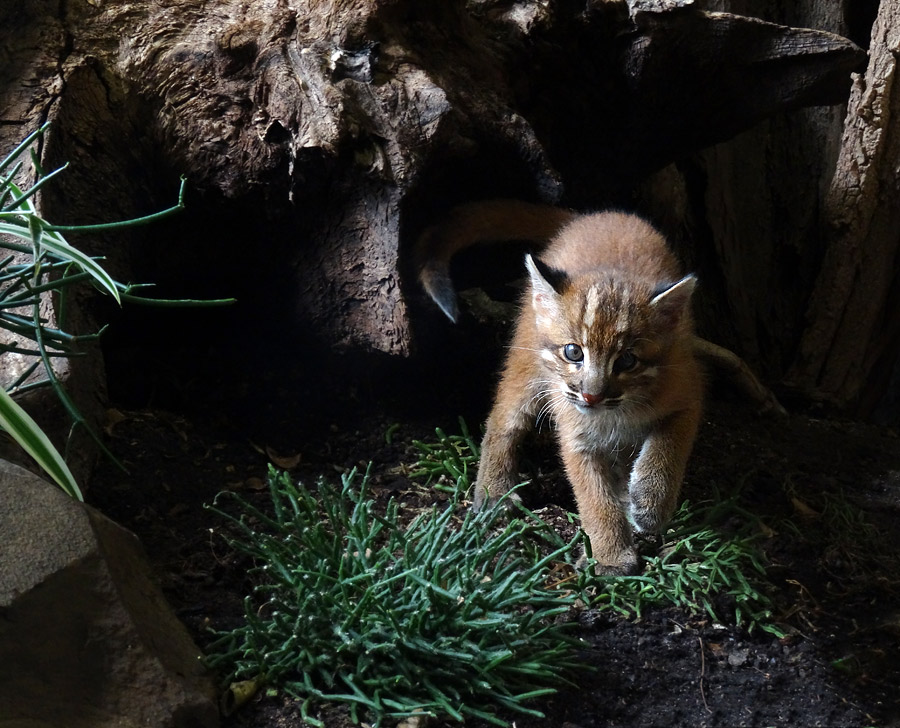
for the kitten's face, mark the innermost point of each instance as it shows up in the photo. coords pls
(604, 338)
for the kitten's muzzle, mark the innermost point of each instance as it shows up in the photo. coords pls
(586, 399)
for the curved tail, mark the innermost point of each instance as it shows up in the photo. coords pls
(479, 222)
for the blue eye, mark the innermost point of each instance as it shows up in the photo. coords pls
(573, 352)
(625, 362)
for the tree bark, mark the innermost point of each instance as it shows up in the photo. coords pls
(853, 337)
(352, 123)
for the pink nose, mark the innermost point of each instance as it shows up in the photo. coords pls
(591, 399)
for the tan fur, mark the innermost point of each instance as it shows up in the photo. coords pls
(626, 413)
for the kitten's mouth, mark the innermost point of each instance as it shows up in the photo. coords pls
(588, 403)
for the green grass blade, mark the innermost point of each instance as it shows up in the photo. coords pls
(24, 430)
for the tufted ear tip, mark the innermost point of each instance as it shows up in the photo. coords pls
(672, 300)
(543, 274)
(546, 284)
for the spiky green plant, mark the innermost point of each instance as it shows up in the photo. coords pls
(42, 263)
(446, 616)
(449, 463)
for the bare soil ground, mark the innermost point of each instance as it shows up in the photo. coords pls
(827, 490)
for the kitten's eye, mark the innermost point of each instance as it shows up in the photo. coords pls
(626, 362)
(573, 352)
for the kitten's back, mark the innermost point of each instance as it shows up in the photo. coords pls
(612, 240)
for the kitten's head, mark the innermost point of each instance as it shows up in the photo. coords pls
(606, 336)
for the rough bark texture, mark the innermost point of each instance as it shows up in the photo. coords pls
(749, 210)
(796, 249)
(328, 133)
(852, 340)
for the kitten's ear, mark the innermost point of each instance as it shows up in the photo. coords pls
(672, 301)
(546, 283)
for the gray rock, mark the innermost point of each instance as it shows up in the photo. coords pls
(86, 637)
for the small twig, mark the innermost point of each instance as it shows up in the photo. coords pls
(703, 676)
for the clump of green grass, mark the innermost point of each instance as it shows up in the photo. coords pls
(699, 567)
(449, 464)
(443, 617)
(453, 615)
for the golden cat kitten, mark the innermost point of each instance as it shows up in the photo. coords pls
(603, 344)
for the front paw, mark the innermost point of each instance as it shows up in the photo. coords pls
(649, 511)
(627, 563)
(647, 520)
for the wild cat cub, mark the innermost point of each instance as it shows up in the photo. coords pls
(603, 344)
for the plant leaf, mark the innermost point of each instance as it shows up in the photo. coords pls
(38, 233)
(24, 430)
(57, 245)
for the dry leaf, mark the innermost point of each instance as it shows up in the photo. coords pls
(285, 462)
(803, 510)
(255, 483)
(113, 418)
